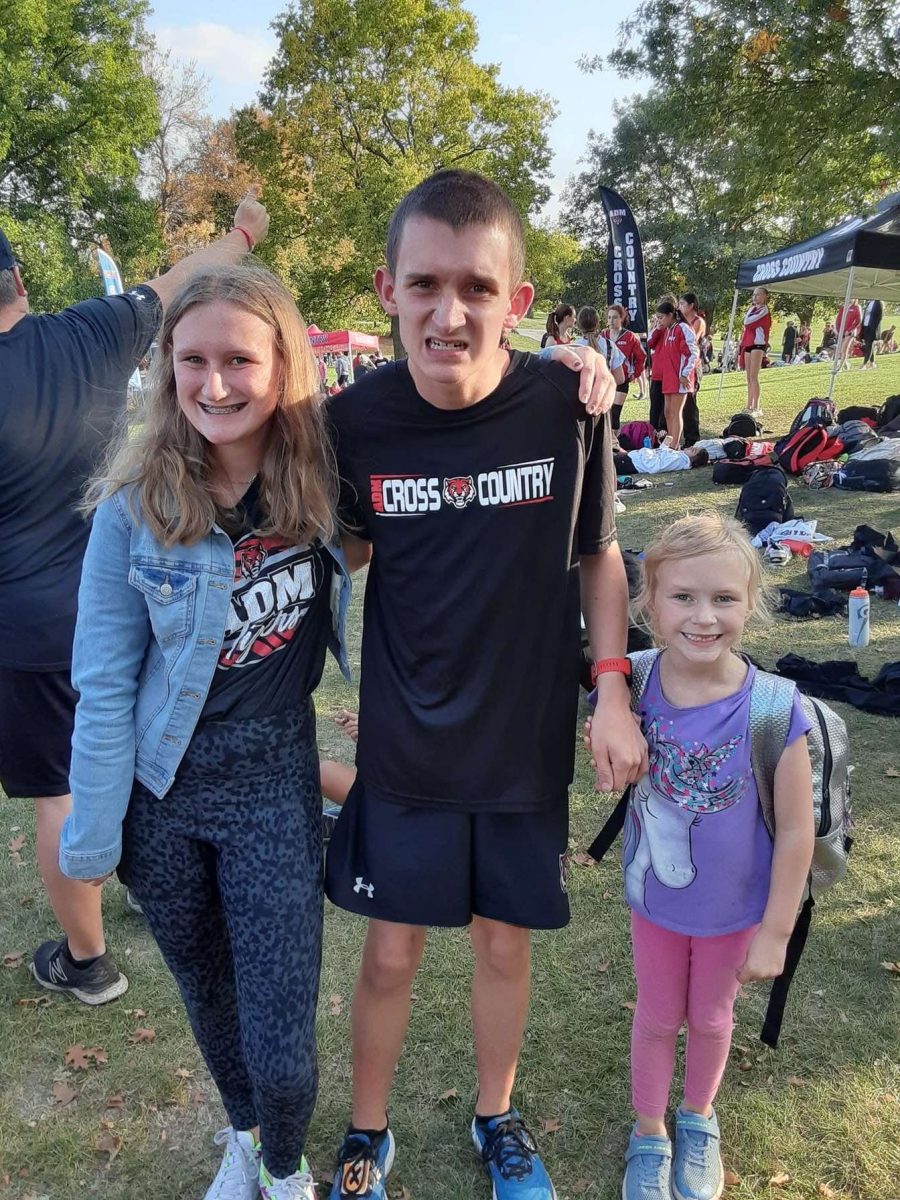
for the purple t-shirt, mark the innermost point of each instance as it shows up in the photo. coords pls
(697, 855)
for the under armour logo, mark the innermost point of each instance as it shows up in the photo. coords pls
(368, 888)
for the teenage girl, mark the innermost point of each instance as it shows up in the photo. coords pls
(211, 587)
(852, 324)
(688, 306)
(560, 324)
(676, 354)
(589, 324)
(713, 899)
(630, 346)
(754, 344)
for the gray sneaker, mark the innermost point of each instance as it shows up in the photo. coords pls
(238, 1174)
(97, 983)
(698, 1173)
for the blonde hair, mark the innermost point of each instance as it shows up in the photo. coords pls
(693, 537)
(167, 461)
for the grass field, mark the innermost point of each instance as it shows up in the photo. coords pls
(822, 1114)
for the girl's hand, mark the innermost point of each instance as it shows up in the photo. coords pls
(765, 956)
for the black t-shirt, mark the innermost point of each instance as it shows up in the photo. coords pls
(277, 631)
(471, 632)
(63, 385)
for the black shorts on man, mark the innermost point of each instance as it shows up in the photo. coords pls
(37, 716)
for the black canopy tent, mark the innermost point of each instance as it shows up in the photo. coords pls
(858, 257)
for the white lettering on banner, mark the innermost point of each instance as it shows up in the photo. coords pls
(505, 487)
(624, 275)
(792, 264)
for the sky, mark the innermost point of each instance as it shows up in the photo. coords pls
(536, 43)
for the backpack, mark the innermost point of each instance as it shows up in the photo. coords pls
(726, 471)
(856, 435)
(764, 498)
(805, 445)
(817, 412)
(742, 424)
(869, 475)
(771, 702)
(859, 412)
(634, 432)
(890, 411)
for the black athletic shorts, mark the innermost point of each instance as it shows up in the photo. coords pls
(427, 866)
(622, 389)
(37, 715)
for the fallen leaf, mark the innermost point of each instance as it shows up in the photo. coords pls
(163, 1135)
(550, 1124)
(62, 1093)
(14, 959)
(140, 1013)
(582, 859)
(779, 1179)
(109, 1144)
(732, 1179)
(143, 1037)
(826, 1192)
(446, 1097)
(580, 1186)
(602, 968)
(893, 967)
(17, 844)
(796, 1081)
(116, 1101)
(33, 1001)
(892, 773)
(25, 900)
(77, 1057)
(196, 1098)
(629, 1004)
(745, 1065)
(183, 1073)
(97, 1053)
(400, 1192)
(335, 1005)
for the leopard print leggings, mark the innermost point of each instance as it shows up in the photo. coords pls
(228, 869)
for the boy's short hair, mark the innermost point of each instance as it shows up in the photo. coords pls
(460, 198)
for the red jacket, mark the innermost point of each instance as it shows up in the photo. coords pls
(630, 345)
(854, 318)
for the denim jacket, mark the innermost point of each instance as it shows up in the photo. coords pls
(151, 622)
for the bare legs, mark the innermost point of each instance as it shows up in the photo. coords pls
(75, 903)
(753, 360)
(674, 424)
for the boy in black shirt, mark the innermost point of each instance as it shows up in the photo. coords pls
(478, 484)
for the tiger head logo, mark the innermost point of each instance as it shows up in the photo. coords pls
(459, 490)
(252, 556)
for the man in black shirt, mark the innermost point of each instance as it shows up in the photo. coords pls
(64, 380)
(483, 492)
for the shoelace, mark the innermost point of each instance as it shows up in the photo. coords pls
(697, 1147)
(231, 1164)
(651, 1172)
(358, 1151)
(511, 1147)
(296, 1188)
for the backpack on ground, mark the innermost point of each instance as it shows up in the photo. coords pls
(771, 703)
(805, 445)
(859, 412)
(818, 411)
(632, 434)
(855, 435)
(764, 498)
(735, 473)
(869, 475)
(890, 411)
(742, 424)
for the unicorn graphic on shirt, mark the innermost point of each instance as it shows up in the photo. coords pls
(680, 788)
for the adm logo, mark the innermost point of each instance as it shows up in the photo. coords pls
(459, 490)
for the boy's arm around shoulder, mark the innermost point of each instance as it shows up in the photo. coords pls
(791, 860)
(111, 638)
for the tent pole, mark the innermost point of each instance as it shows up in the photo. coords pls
(836, 365)
(725, 344)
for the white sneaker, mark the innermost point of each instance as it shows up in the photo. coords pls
(299, 1186)
(238, 1176)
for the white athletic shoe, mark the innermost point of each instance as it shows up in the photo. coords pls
(238, 1176)
(299, 1186)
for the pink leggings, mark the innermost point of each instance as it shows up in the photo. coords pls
(682, 978)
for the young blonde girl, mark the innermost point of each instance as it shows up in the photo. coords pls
(713, 898)
(211, 587)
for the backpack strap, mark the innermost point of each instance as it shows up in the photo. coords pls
(780, 988)
(641, 665)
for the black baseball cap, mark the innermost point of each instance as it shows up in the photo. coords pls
(7, 259)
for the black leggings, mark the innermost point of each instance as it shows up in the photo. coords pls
(868, 341)
(228, 870)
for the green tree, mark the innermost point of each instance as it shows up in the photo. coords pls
(75, 110)
(549, 256)
(361, 102)
(764, 123)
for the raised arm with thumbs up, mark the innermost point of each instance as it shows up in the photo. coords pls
(251, 224)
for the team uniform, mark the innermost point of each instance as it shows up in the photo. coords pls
(677, 354)
(471, 643)
(65, 378)
(629, 345)
(755, 335)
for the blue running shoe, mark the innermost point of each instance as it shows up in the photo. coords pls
(648, 1166)
(510, 1157)
(363, 1166)
(698, 1173)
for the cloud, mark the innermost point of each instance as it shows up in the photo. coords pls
(234, 59)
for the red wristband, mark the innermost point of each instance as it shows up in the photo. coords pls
(247, 235)
(604, 665)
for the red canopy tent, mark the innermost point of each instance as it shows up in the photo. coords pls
(345, 340)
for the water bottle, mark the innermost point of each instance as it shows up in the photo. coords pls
(648, 443)
(858, 613)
